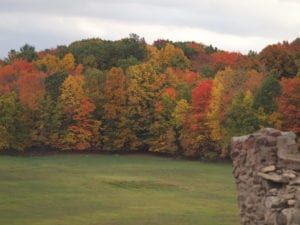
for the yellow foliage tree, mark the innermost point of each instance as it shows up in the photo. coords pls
(49, 63)
(215, 110)
(174, 57)
(68, 62)
(181, 109)
(153, 55)
(72, 93)
(52, 64)
(144, 88)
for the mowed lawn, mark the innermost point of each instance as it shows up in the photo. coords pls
(115, 190)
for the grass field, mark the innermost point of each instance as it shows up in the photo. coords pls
(115, 190)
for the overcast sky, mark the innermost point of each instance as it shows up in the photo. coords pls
(238, 25)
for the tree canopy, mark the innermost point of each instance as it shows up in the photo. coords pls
(177, 98)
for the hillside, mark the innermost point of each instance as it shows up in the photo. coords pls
(176, 98)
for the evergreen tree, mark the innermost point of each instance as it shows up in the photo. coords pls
(266, 96)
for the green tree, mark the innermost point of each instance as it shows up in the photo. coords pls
(53, 84)
(27, 52)
(104, 54)
(48, 122)
(266, 95)
(13, 128)
(241, 118)
(94, 86)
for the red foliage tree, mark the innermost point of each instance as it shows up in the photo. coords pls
(289, 104)
(220, 60)
(201, 96)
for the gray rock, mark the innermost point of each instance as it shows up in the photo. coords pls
(270, 218)
(296, 181)
(273, 191)
(288, 214)
(296, 217)
(289, 175)
(273, 202)
(291, 202)
(298, 194)
(288, 196)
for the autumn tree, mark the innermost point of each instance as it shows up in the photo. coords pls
(31, 89)
(201, 96)
(114, 110)
(195, 131)
(81, 130)
(253, 80)
(49, 63)
(215, 111)
(67, 63)
(52, 64)
(143, 90)
(289, 104)
(163, 136)
(221, 60)
(183, 81)
(279, 59)
(180, 112)
(226, 85)
(174, 57)
(11, 73)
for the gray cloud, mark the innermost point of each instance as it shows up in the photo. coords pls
(45, 23)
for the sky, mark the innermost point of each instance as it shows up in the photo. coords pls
(234, 25)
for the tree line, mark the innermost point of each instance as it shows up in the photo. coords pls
(177, 98)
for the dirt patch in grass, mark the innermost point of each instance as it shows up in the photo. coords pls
(142, 184)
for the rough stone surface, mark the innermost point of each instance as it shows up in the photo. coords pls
(266, 167)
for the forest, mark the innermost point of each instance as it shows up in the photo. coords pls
(174, 98)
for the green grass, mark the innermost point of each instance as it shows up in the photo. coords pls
(115, 190)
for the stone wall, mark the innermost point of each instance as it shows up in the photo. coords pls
(266, 167)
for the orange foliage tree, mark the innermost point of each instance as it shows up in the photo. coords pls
(31, 89)
(114, 129)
